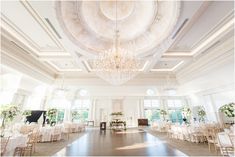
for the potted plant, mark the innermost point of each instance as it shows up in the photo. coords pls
(163, 113)
(201, 114)
(51, 114)
(228, 110)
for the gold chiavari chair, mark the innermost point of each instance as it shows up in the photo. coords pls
(33, 139)
(211, 136)
(225, 144)
(66, 132)
(24, 151)
(4, 142)
(56, 134)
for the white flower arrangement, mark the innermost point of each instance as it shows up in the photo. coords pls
(201, 113)
(51, 114)
(8, 113)
(116, 114)
(228, 109)
(186, 110)
(163, 112)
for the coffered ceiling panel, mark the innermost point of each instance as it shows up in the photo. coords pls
(67, 65)
(166, 64)
(64, 36)
(27, 24)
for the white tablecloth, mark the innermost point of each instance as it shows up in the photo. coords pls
(16, 141)
(26, 128)
(46, 133)
(75, 127)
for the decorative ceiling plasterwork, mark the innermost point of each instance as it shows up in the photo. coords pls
(143, 25)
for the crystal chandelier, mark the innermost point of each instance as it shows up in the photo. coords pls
(116, 65)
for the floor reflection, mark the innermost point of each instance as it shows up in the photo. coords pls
(108, 143)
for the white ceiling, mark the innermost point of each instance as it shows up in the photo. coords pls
(45, 47)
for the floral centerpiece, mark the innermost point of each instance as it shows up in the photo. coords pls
(228, 110)
(26, 114)
(201, 113)
(116, 114)
(51, 114)
(75, 115)
(163, 113)
(186, 113)
(8, 113)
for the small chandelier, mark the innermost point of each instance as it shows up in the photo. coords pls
(116, 65)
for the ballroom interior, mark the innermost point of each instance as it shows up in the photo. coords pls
(117, 78)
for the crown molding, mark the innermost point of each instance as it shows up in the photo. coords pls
(24, 62)
(215, 57)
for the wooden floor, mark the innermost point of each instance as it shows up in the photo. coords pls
(131, 142)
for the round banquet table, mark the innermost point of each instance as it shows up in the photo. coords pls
(17, 140)
(74, 127)
(46, 133)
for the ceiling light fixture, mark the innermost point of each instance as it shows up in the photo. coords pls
(116, 65)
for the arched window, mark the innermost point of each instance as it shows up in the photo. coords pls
(152, 109)
(174, 110)
(82, 108)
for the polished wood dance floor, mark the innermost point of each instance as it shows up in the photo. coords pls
(109, 143)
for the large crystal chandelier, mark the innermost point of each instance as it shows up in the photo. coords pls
(116, 65)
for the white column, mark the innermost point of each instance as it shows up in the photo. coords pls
(216, 114)
(141, 108)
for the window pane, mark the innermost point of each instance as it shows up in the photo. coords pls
(82, 108)
(178, 103)
(147, 103)
(148, 114)
(155, 103)
(60, 116)
(155, 115)
(170, 103)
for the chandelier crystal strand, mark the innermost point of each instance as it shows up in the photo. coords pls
(116, 65)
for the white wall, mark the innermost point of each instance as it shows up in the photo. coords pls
(103, 107)
(212, 89)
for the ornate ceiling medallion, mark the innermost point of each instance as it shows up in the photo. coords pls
(116, 65)
(143, 25)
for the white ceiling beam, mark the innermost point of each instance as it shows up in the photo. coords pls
(170, 42)
(191, 22)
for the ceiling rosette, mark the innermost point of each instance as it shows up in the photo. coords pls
(142, 25)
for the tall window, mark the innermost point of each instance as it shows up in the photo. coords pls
(174, 109)
(152, 110)
(82, 107)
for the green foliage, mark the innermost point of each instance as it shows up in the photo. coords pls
(51, 114)
(186, 110)
(75, 115)
(201, 113)
(116, 114)
(27, 113)
(9, 112)
(81, 115)
(228, 109)
(163, 112)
